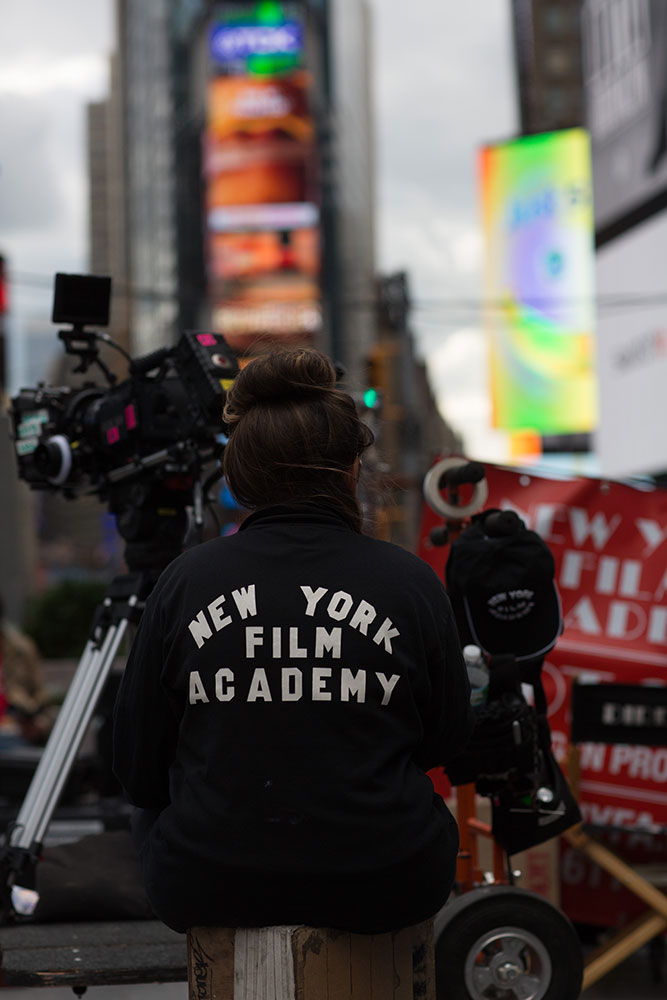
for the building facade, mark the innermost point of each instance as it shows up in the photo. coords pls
(239, 196)
(248, 199)
(547, 48)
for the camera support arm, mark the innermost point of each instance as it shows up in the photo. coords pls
(83, 344)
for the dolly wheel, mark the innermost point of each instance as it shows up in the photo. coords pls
(501, 943)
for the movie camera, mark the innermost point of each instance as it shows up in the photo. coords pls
(165, 417)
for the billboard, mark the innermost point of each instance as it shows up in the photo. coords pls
(632, 351)
(262, 202)
(539, 270)
(625, 90)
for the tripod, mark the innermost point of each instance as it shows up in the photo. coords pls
(156, 532)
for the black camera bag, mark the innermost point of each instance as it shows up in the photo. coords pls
(500, 580)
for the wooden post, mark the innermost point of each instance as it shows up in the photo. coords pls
(310, 963)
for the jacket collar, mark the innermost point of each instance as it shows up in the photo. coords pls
(298, 513)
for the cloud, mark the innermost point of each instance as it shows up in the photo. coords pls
(46, 30)
(459, 371)
(83, 76)
(53, 59)
(444, 86)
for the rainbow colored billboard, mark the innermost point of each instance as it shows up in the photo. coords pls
(537, 212)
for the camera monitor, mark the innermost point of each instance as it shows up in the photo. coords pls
(81, 299)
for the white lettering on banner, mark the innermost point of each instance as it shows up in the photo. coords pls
(592, 756)
(544, 521)
(652, 534)
(572, 566)
(646, 763)
(582, 616)
(286, 684)
(612, 575)
(583, 526)
(615, 713)
(610, 815)
(607, 575)
(625, 620)
(657, 627)
(628, 585)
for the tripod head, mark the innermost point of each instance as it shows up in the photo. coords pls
(152, 518)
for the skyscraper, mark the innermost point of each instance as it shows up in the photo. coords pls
(248, 172)
(547, 45)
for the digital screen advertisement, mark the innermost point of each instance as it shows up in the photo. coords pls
(537, 217)
(261, 178)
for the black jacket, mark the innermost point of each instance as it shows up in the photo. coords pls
(286, 691)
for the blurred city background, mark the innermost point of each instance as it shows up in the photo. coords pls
(465, 205)
(462, 204)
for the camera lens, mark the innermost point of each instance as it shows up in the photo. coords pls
(53, 459)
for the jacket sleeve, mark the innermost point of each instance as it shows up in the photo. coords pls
(449, 720)
(145, 730)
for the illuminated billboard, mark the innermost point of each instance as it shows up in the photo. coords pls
(539, 282)
(262, 202)
(265, 37)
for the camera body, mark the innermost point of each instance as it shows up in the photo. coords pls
(166, 416)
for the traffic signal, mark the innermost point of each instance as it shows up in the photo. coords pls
(371, 398)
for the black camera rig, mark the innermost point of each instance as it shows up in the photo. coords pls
(139, 444)
(142, 445)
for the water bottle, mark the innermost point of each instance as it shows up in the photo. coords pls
(478, 674)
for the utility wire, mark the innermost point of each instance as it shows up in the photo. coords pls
(453, 307)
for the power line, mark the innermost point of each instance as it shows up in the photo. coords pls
(464, 307)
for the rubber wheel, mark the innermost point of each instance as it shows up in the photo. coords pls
(501, 943)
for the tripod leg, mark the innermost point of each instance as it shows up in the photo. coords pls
(63, 745)
(23, 842)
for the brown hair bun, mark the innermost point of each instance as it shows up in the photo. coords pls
(285, 376)
(293, 436)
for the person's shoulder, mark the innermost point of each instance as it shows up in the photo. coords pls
(401, 560)
(190, 561)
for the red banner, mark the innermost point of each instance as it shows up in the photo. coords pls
(609, 541)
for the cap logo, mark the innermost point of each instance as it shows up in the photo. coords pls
(511, 605)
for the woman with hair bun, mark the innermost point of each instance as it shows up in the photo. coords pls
(288, 688)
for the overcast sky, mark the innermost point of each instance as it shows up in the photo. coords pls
(443, 83)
